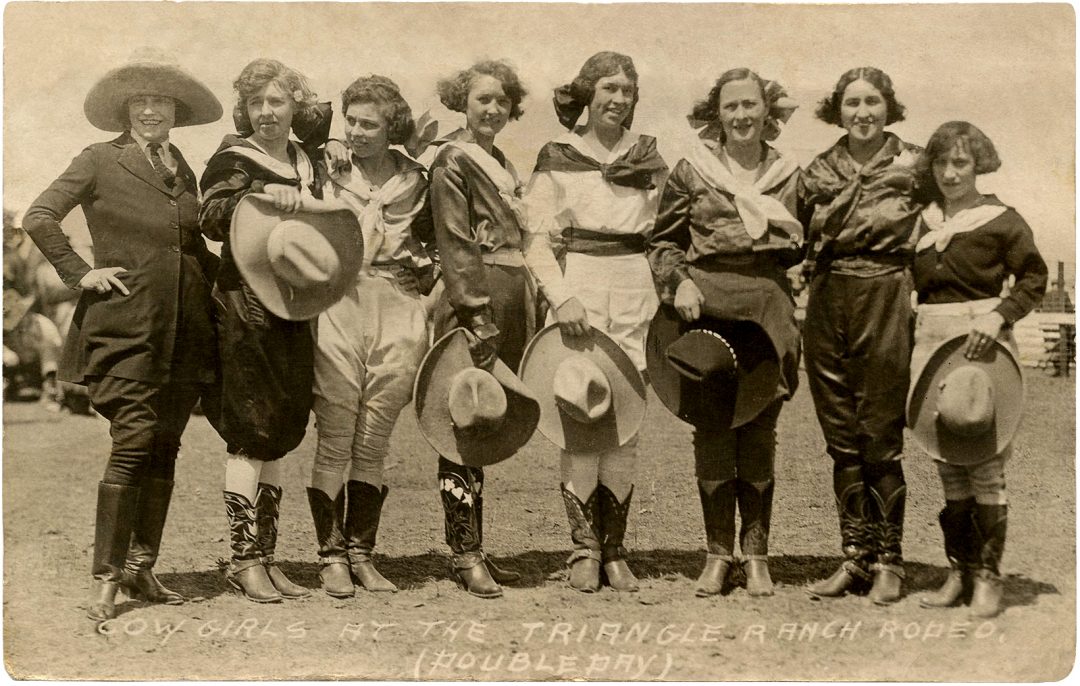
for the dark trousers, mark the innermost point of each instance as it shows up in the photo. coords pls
(145, 422)
(857, 339)
(747, 452)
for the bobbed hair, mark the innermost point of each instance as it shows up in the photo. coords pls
(943, 141)
(707, 111)
(254, 78)
(385, 95)
(582, 89)
(828, 110)
(454, 91)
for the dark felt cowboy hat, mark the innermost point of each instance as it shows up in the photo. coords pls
(965, 411)
(149, 72)
(711, 371)
(298, 263)
(468, 415)
(591, 395)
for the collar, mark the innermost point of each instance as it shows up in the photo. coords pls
(143, 143)
(596, 151)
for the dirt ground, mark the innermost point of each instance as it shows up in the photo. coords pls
(540, 630)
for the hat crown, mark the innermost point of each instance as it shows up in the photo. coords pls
(476, 400)
(154, 55)
(581, 389)
(966, 401)
(701, 354)
(301, 255)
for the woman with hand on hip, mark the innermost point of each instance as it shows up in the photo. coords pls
(857, 332)
(595, 190)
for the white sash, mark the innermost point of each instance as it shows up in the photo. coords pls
(504, 178)
(368, 204)
(304, 170)
(755, 208)
(941, 230)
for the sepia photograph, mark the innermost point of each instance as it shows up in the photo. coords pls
(511, 341)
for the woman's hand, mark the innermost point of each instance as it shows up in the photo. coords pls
(103, 280)
(285, 198)
(572, 318)
(688, 300)
(336, 155)
(984, 331)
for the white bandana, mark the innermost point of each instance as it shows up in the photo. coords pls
(941, 230)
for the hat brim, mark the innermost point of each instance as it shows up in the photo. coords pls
(252, 222)
(542, 356)
(448, 356)
(105, 103)
(933, 435)
(732, 402)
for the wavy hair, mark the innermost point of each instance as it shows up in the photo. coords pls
(573, 98)
(944, 139)
(828, 109)
(256, 75)
(454, 91)
(386, 96)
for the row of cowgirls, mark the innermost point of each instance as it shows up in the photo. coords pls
(329, 252)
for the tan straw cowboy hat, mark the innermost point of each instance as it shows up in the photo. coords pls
(297, 263)
(965, 411)
(149, 72)
(469, 415)
(591, 395)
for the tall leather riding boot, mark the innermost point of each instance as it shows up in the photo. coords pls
(501, 575)
(116, 509)
(328, 516)
(585, 560)
(958, 528)
(139, 578)
(361, 527)
(855, 536)
(991, 521)
(718, 509)
(613, 516)
(267, 509)
(246, 572)
(888, 497)
(755, 509)
(457, 490)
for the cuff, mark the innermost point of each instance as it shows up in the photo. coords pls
(1010, 311)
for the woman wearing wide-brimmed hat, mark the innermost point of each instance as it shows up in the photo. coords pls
(727, 230)
(281, 266)
(595, 190)
(142, 336)
(969, 245)
(857, 332)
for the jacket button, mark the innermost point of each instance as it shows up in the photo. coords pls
(173, 203)
(174, 248)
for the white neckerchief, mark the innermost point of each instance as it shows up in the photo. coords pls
(755, 208)
(304, 170)
(504, 178)
(941, 230)
(368, 204)
(601, 154)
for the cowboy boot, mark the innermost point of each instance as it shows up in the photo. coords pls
(755, 509)
(267, 510)
(501, 575)
(613, 515)
(333, 563)
(850, 494)
(958, 528)
(361, 526)
(139, 578)
(116, 508)
(456, 490)
(888, 496)
(246, 573)
(718, 509)
(991, 522)
(585, 560)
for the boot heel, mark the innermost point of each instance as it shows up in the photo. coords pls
(249, 579)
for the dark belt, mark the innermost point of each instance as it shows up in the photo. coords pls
(602, 244)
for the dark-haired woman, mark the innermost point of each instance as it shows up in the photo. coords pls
(479, 227)
(729, 223)
(595, 188)
(266, 361)
(369, 344)
(857, 333)
(968, 247)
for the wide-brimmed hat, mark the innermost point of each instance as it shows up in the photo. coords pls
(149, 72)
(965, 411)
(591, 395)
(468, 415)
(15, 308)
(711, 372)
(298, 263)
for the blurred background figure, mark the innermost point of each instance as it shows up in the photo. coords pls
(31, 353)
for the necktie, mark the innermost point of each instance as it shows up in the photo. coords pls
(159, 165)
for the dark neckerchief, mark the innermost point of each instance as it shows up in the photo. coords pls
(634, 168)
